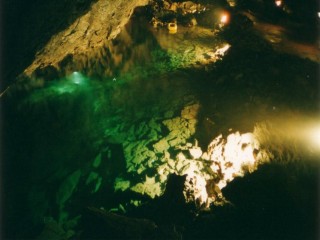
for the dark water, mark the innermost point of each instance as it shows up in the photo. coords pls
(51, 131)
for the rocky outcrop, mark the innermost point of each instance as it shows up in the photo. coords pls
(91, 31)
(174, 153)
(148, 148)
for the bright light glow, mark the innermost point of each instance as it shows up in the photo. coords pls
(278, 3)
(172, 27)
(234, 156)
(292, 134)
(77, 78)
(221, 51)
(207, 173)
(65, 88)
(217, 54)
(312, 138)
(315, 137)
(228, 157)
(319, 14)
(224, 18)
(195, 152)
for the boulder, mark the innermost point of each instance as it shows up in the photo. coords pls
(161, 146)
(121, 184)
(150, 187)
(190, 112)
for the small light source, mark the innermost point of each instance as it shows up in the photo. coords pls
(278, 3)
(172, 27)
(318, 14)
(224, 18)
(77, 78)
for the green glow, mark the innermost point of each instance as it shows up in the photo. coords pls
(74, 83)
(77, 78)
(63, 88)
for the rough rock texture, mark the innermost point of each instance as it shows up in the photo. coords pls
(102, 23)
(147, 149)
(207, 172)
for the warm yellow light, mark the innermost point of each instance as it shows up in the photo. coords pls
(296, 134)
(224, 18)
(172, 27)
(232, 3)
(314, 135)
(278, 3)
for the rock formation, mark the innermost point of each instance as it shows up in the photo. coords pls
(102, 23)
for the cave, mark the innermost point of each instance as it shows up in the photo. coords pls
(160, 119)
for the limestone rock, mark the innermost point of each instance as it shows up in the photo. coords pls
(101, 23)
(153, 135)
(163, 178)
(171, 163)
(142, 129)
(180, 128)
(234, 156)
(154, 125)
(121, 184)
(180, 164)
(168, 114)
(181, 156)
(190, 112)
(140, 169)
(166, 155)
(162, 169)
(195, 151)
(161, 146)
(176, 141)
(136, 152)
(172, 124)
(150, 187)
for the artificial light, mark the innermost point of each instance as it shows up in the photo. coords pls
(313, 134)
(224, 18)
(77, 78)
(278, 3)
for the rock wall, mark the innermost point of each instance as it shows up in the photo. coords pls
(92, 30)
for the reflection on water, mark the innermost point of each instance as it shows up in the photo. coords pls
(133, 112)
(287, 40)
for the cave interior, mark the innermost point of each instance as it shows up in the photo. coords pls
(160, 119)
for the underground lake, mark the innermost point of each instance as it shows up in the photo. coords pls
(160, 119)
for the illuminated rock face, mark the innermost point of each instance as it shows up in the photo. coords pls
(225, 159)
(100, 24)
(206, 172)
(163, 153)
(234, 156)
